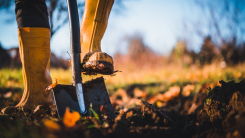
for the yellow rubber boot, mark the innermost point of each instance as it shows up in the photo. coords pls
(34, 48)
(93, 26)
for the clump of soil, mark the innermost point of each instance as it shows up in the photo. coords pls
(224, 112)
(97, 67)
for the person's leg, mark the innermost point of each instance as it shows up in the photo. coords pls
(34, 48)
(31, 13)
(93, 26)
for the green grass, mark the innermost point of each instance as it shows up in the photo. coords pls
(11, 78)
(162, 78)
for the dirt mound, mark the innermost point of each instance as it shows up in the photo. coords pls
(224, 112)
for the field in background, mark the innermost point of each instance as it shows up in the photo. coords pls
(148, 81)
(143, 69)
(144, 74)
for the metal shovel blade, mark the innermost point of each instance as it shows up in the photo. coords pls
(95, 95)
(65, 96)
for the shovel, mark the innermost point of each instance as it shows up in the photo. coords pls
(80, 97)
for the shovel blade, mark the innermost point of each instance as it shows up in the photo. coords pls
(95, 96)
(64, 96)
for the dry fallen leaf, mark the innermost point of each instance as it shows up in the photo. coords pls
(70, 119)
(152, 99)
(133, 102)
(170, 94)
(103, 109)
(192, 109)
(52, 85)
(51, 125)
(129, 114)
(139, 93)
(7, 95)
(121, 92)
(187, 90)
(69, 62)
(159, 104)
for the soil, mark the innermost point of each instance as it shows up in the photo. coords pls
(97, 67)
(220, 113)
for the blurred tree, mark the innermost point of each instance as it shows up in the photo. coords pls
(224, 20)
(139, 55)
(57, 10)
(208, 52)
(179, 49)
(138, 51)
(181, 55)
(4, 58)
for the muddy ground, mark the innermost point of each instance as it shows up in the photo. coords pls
(220, 113)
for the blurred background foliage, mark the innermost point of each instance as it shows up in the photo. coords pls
(146, 73)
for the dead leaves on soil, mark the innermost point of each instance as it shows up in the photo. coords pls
(187, 90)
(47, 90)
(52, 85)
(170, 94)
(51, 125)
(122, 99)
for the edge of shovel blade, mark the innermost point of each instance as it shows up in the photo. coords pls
(64, 99)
